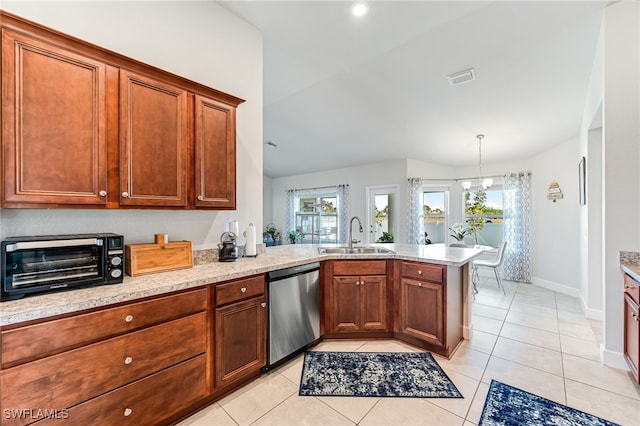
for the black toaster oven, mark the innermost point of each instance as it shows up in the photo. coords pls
(58, 262)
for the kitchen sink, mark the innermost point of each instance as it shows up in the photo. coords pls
(354, 250)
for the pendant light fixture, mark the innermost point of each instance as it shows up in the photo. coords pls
(482, 183)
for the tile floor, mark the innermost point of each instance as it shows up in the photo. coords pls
(532, 338)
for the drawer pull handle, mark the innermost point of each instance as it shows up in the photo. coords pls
(128, 318)
(125, 195)
(419, 284)
(263, 304)
(102, 193)
(419, 272)
(127, 412)
(200, 197)
(128, 360)
(357, 282)
(243, 289)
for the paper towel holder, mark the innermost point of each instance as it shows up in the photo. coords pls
(244, 254)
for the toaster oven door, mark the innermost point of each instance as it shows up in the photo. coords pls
(52, 264)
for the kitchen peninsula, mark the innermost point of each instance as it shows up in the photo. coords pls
(199, 333)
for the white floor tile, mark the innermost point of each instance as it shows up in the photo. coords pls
(579, 347)
(475, 411)
(601, 403)
(212, 415)
(481, 341)
(595, 374)
(467, 387)
(532, 356)
(526, 378)
(490, 312)
(302, 411)
(533, 336)
(409, 411)
(465, 361)
(485, 324)
(353, 408)
(541, 322)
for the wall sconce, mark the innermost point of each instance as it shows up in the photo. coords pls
(554, 192)
(466, 185)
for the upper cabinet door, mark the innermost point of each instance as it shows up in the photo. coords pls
(54, 124)
(154, 142)
(215, 154)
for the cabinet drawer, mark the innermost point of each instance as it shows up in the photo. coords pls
(46, 338)
(632, 288)
(423, 271)
(360, 267)
(75, 376)
(239, 290)
(141, 402)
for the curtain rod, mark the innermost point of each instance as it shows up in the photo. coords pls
(459, 179)
(319, 187)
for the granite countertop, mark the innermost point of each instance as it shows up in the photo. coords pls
(630, 263)
(278, 257)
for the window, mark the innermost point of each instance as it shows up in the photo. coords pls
(487, 213)
(435, 203)
(317, 218)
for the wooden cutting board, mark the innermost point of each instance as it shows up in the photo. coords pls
(143, 259)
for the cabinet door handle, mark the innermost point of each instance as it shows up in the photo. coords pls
(128, 360)
(419, 284)
(125, 195)
(263, 304)
(357, 282)
(127, 412)
(102, 193)
(128, 318)
(243, 289)
(419, 272)
(200, 197)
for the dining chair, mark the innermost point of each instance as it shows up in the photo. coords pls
(493, 263)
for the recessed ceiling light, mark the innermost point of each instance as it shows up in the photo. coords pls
(359, 8)
(271, 144)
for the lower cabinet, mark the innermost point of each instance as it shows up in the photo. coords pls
(240, 330)
(422, 304)
(360, 303)
(358, 296)
(421, 313)
(632, 325)
(114, 375)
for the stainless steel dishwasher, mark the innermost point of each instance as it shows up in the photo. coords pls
(294, 312)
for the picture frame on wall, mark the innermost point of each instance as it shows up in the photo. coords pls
(582, 178)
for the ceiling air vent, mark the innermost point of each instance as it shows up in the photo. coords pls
(461, 77)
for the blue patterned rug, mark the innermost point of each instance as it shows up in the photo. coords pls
(377, 374)
(506, 406)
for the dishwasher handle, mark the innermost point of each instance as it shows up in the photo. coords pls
(293, 271)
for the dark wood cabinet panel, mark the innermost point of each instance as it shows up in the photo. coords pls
(75, 376)
(346, 303)
(359, 303)
(134, 404)
(34, 341)
(215, 154)
(422, 311)
(240, 340)
(373, 304)
(154, 146)
(54, 124)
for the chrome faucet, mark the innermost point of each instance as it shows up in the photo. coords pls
(351, 240)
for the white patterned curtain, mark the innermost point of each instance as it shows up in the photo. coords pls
(415, 212)
(290, 219)
(344, 201)
(517, 226)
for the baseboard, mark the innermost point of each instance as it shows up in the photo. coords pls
(594, 314)
(560, 288)
(613, 359)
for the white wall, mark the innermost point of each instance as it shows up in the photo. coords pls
(556, 229)
(621, 141)
(267, 200)
(387, 173)
(198, 40)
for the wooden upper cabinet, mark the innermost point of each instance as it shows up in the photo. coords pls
(154, 144)
(215, 154)
(54, 124)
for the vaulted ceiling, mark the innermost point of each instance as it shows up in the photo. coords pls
(341, 91)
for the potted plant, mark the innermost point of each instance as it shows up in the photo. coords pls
(387, 237)
(458, 232)
(293, 236)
